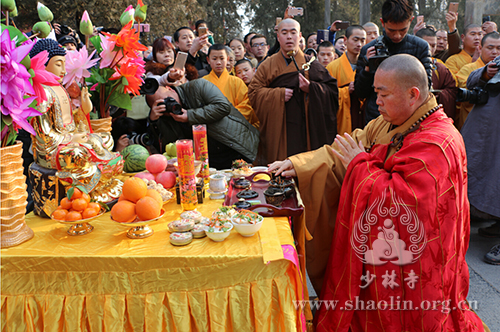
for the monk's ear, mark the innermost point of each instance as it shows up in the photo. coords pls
(414, 94)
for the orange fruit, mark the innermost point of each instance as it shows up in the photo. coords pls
(89, 213)
(73, 216)
(147, 208)
(86, 197)
(123, 211)
(76, 194)
(94, 206)
(156, 195)
(134, 189)
(66, 203)
(79, 204)
(59, 214)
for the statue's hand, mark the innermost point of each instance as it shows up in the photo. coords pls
(85, 98)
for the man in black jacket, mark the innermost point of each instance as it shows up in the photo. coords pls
(230, 135)
(396, 19)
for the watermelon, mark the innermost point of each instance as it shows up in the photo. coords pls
(135, 158)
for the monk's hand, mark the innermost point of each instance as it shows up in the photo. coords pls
(351, 87)
(288, 94)
(303, 83)
(491, 70)
(182, 117)
(348, 148)
(285, 168)
(477, 53)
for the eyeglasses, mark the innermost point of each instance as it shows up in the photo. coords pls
(259, 45)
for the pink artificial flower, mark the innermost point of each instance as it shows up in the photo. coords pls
(107, 54)
(15, 84)
(77, 63)
(42, 76)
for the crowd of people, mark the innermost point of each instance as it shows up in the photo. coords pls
(364, 119)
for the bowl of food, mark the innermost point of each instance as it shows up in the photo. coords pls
(247, 223)
(219, 232)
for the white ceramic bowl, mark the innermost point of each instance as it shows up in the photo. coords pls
(248, 230)
(219, 236)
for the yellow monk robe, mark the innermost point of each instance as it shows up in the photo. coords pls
(457, 61)
(341, 70)
(462, 76)
(236, 91)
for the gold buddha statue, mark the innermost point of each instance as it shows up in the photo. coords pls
(64, 145)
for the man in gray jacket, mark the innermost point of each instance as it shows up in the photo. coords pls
(482, 138)
(230, 135)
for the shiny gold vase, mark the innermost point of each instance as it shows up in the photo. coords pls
(13, 197)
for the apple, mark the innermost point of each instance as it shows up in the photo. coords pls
(167, 179)
(145, 175)
(156, 163)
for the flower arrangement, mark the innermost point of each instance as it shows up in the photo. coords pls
(120, 71)
(21, 79)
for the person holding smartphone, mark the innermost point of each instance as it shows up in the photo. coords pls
(185, 41)
(162, 65)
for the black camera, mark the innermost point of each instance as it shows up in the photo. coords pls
(65, 30)
(475, 96)
(142, 139)
(381, 53)
(172, 106)
(149, 86)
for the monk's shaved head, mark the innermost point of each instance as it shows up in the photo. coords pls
(409, 72)
(289, 21)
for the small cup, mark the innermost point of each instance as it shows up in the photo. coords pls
(274, 196)
(217, 183)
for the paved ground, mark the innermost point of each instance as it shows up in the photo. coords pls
(484, 279)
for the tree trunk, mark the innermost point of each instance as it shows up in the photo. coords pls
(364, 11)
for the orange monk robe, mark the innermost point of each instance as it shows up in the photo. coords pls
(307, 121)
(462, 76)
(457, 61)
(236, 91)
(341, 70)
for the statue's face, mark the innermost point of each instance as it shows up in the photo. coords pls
(57, 66)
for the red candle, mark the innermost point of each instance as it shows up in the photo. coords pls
(201, 149)
(187, 179)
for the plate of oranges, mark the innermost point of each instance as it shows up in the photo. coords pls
(77, 210)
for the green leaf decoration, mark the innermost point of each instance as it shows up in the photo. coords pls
(70, 192)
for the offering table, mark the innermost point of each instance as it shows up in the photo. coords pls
(104, 281)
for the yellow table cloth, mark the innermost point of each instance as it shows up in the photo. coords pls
(104, 281)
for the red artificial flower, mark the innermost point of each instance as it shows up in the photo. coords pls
(132, 70)
(128, 40)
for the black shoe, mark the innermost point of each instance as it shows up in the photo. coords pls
(491, 231)
(493, 257)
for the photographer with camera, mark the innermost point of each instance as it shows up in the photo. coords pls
(489, 50)
(174, 110)
(396, 19)
(481, 138)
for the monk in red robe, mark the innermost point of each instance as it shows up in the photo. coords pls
(295, 99)
(397, 259)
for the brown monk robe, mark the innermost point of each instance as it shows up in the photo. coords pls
(307, 121)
